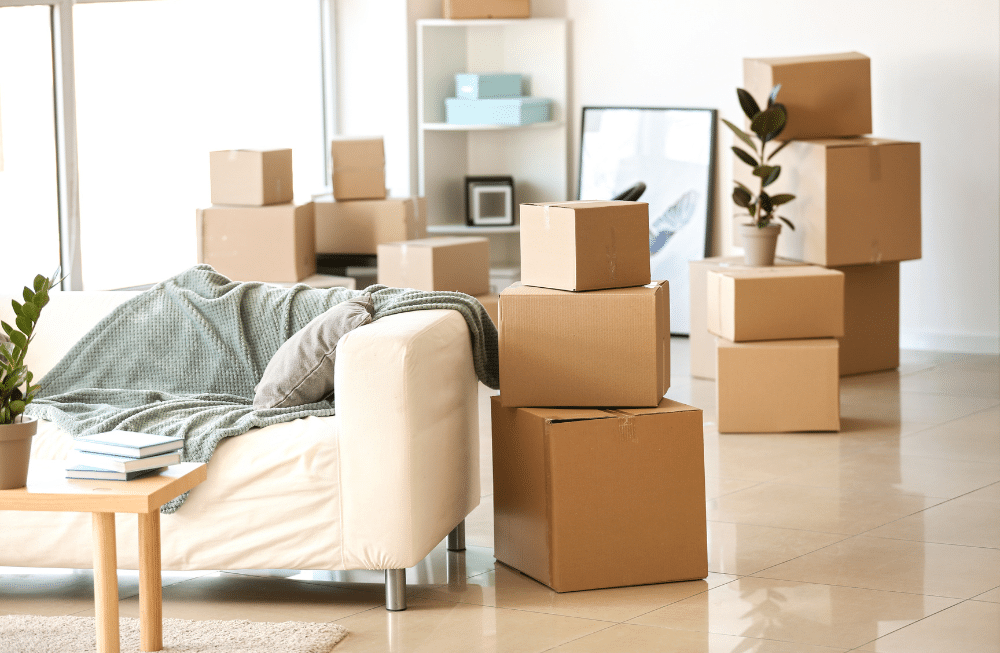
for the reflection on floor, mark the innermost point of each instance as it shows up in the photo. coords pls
(884, 537)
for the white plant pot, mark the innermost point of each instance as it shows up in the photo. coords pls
(759, 244)
(15, 452)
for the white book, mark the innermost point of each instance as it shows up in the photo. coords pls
(128, 443)
(94, 473)
(122, 463)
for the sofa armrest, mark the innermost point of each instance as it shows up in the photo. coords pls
(407, 400)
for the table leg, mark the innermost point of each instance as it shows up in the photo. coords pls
(150, 582)
(105, 582)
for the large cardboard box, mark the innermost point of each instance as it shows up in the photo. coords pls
(358, 168)
(486, 8)
(263, 243)
(776, 303)
(587, 499)
(700, 340)
(457, 264)
(358, 227)
(585, 245)
(857, 200)
(251, 177)
(871, 318)
(600, 348)
(826, 95)
(778, 386)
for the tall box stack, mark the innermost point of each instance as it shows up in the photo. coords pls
(253, 231)
(857, 206)
(777, 349)
(598, 479)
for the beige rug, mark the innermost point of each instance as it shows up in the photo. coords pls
(33, 634)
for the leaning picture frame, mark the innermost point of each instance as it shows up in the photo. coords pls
(665, 157)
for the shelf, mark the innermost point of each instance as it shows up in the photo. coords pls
(446, 127)
(468, 231)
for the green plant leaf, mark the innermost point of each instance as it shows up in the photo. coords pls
(17, 307)
(741, 197)
(765, 203)
(6, 327)
(742, 135)
(30, 311)
(747, 103)
(783, 198)
(19, 339)
(16, 407)
(768, 123)
(745, 156)
(763, 171)
(771, 178)
(788, 222)
(24, 324)
(41, 298)
(28, 295)
(773, 97)
(778, 149)
(39, 282)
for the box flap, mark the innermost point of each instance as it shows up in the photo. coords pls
(808, 343)
(811, 58)
(774, 271)
(855, 141)
(519, 288)
(666, 406)
(583, 204)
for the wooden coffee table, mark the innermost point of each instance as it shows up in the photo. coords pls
(49, 490)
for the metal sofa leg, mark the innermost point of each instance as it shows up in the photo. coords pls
(395, 589)
(456, 538)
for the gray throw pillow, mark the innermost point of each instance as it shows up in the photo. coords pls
(301, 371)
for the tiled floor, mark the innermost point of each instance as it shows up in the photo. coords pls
(882, 538)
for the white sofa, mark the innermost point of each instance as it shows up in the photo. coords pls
(377, 486)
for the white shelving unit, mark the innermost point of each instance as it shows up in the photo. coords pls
(535, 155)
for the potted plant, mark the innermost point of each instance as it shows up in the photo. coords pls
(16, 389)
(760, 235)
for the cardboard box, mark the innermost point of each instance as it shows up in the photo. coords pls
(261, 243)
(457, 264)
(776, 303)
(701, 341)
(588, 499)
(857, 200)
(358, 168)
(491, 303)
(601, 348)
(251, 177)
(475, 86)
(588, 245)
(486, 8)
(871, 318)
(826, 95)
(358, 227)
(778, 386)
(497, 111)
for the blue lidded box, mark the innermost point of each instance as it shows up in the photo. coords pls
(473, 86)
(497, 111)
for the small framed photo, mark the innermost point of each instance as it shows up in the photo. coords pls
(489, 201)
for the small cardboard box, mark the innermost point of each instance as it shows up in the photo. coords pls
(358, 168)
(587, 499)
(358, 227)
(251, 177)
(776, 303)
(475, 86)
(857, 200)
(871, 318)
(588, 245)
(778, 386)
(826, 95)
(491, 303)
(486, 8)
(261, 243)
(601, 348)
(457, 264)
(701, 341)
(497, 111)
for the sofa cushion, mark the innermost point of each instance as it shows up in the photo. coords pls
(301, 371)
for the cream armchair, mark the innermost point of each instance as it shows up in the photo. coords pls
(376, 486)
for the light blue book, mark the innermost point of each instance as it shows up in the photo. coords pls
(128, 443)
(498, 111)
(475, 86)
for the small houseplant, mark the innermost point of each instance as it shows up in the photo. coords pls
(16, 389)
(761, 233)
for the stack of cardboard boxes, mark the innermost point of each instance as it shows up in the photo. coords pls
(455, 264)
(358, 215)
(598, 480)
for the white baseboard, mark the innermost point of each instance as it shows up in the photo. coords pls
(952, 342)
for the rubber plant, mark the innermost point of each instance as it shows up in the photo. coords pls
(16, 389)
(766, 125)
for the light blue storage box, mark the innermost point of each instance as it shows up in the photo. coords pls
(497, 111)
(472, 86)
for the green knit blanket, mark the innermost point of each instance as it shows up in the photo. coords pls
(183, 358)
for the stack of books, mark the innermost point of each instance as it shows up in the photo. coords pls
(122, 455)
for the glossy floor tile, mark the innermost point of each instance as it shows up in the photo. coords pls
(880, 538)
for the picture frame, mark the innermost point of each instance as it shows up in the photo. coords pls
(666, 157)
(489, 201)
